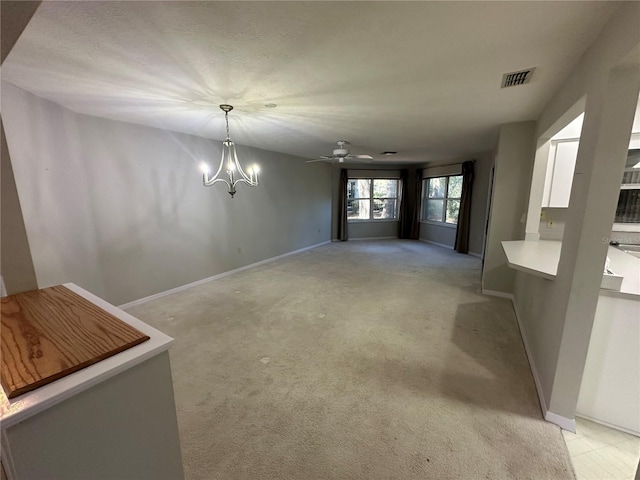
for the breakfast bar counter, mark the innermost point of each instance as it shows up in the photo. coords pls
(541, 257)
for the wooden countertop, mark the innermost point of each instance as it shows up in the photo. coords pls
(52, 332)
(21, 407)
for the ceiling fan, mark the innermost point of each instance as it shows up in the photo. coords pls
(341, 154)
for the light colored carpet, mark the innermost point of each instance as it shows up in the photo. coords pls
(356, 360)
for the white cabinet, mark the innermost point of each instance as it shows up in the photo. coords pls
(560, 168)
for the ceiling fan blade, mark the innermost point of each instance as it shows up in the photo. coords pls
(327, 159)
(368, 157)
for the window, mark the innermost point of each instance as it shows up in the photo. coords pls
(441, 199)
(372, 199)
(628, 210)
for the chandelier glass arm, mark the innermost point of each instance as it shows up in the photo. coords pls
(229, 161)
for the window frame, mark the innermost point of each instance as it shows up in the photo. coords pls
(446, 199)
(372, 199)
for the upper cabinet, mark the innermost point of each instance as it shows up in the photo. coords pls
(560, 168)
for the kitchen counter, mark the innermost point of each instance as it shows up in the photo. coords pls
(627, 266)
(537, 257)
(541, 257)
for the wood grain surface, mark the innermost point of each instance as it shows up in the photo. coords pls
(49, 333)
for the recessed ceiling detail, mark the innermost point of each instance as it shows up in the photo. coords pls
(514, 79)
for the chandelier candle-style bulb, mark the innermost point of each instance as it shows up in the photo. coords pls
(230, 164)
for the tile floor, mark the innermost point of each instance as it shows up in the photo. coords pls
(602, 453)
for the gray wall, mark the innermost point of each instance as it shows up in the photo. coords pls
(440, 234)
(435, 233)
(480, 193)
(557, 316)
(356, 230)
(372, 230)
(124, 427)
(513, 164)
(16, 266)
(120, 209)
(479, 198)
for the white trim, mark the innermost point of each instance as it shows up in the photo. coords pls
(372, 238)
(495, 293)
(610, 425)
(532, 365)
(7, 457)
(564, 423)
(450, 247)
(155, 296)
(626, 227)
(373, 220)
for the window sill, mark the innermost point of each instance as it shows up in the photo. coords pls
(440, 224)
(626, 227)
(381, 220)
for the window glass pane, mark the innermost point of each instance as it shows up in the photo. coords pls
(358, 209)
(453, 206)
(434, 210)
(455, 187)
(358, 188)
(385, 188)
(385, 208)
(437, 187)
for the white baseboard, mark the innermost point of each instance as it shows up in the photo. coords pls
(495, 293)
(215, 277)
(563, 422)
(435, 243)
(532, 365)
(373, 238)
(607, 424)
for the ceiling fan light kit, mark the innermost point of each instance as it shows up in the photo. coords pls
(230, 163)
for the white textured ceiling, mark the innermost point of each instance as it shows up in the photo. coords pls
(420, 78)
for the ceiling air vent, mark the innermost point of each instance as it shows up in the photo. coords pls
(517, 78)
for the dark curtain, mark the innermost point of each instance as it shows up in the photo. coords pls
(342, 205)
(409, 210)
(464, 216)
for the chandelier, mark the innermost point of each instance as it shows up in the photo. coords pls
(230, 164)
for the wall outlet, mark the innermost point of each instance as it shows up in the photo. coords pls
(543, 215)
(549, 223)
